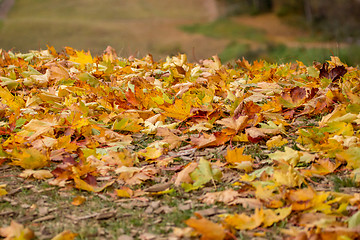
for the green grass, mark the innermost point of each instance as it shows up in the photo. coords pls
(134, 27)
(225, 28)
(278, 53)
(343, 182)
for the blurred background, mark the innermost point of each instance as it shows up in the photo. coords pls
(274, 30)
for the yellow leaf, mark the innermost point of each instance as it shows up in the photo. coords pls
(179, 110)
(245, 222)
(273, 216)
(151, 153)
(276, 141)
(82, 58)
(14, 102)
(351, 156)
(124, 192)
(2, 190)
(236, 156)
(286, 175)
(242, 137)
(290, 156)
(30, 158)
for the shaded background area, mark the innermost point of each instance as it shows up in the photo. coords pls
(274, 30)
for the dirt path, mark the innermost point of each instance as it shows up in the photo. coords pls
(278, 31)
(5, 7)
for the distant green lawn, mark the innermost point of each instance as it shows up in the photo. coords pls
(279, 53)
(131, 27)
(139, 27)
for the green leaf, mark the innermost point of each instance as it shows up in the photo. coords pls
(291, 156)
(189, 187)
(90, 79)
(354, 220)
(9, 83)
(204, 173)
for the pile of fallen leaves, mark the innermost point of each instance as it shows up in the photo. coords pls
(140, 128)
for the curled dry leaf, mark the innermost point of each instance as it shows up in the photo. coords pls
(37, 174)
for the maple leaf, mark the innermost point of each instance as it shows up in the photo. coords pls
(351, 156)
(30, 158)
(14, 102)
(287, 175)
(179, 110)
(126, 124)
(151, 152)
(273, 216)
(134, 175)
(16, 231)
(321, 167)
(173, 140)
(245, 222)
(204, 140)
(36, 127)
(184, 175)
(207, 229)
(301, 199)
(234, 124)
(205, 173)
(333, 74)
(276, 141)
(290, 156)
(81, 58)
(236, 156)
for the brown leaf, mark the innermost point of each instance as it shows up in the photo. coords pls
(183, 176)
(333, 74)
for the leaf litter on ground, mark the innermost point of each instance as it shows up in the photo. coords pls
(260, 140)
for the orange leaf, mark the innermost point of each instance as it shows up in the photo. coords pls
(207, 229)
(179, 110)
(65, 235)
(78, 200)
(236, 156)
